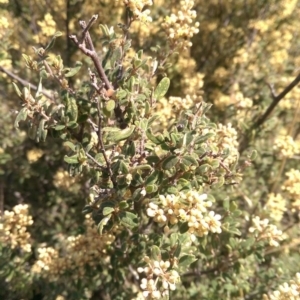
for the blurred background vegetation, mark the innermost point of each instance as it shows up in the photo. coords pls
(245, 51)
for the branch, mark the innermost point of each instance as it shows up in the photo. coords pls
(276, 100)
(85, 33)
(261, 120)
(101, 145)
(91, 51)
(24, 82)
(95, 161)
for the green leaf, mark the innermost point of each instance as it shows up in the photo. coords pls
(158, 139)
(130, 83)
(59, 127)
(173, 239)
(43, 74)
(121, 134)
(130, 151)
(151, 188)
(40, 130)
(70, 145)
(248, 243)
(72, 124)
(162, 88)
(187, 139)
(153, 118)
(39, 89)
(143, 124)
(22, 116)
(116, 56)
(108, 210)
(123, 168)
(234, 230)
(71, 159)
(121, 94)
(188, 160)
(215, 163)
(44, 135)
(51, 109)
(233, 206)
(204, 168)
(140, 53)
(111, 129)
(51, 43)
(136, 196)
(152, 178)
(186, 260)
(75, 70)
(203, 138)
(219, 183)
(123, 205)
(110, 105)
(87, 209)
(128, 219)
(142, 167)
(32, 131)
(17, 90)
(155, 253)
(104, 30)
(102, 223)
(170, 162)
(172, 190)
(184, 227)
(253, 155)
(136, 63)
(72, 109)
(177, 250)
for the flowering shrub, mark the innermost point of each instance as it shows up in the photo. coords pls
(139, 172)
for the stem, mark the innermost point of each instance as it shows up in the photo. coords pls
(261, 120)
(90, 50)
(101, 146)
(25, 83)
(94, 160)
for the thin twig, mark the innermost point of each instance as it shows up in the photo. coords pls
(1, 198)
(276, 100)
(85, 33)
(225, 168)
(101, 145)
(24, 82)
(261, 120)
(95, 161)
(91, 51)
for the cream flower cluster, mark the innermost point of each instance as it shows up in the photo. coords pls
(13, 228)
(286, 291)
(275, 206)
(47, 258)
(190, 207)
(79, 251)
(34, 155)
(179, 27)
(227, 138)
(4, 24)
(63, 180)
(170, 108)
(154, 271)
(292, 187)
(265, 231)
(286, 146)
(136, 7)
(235, 97)
(48, 25)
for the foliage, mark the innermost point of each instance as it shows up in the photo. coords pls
(149, 159)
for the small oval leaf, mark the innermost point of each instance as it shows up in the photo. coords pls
(170, 162)
(162, 88)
